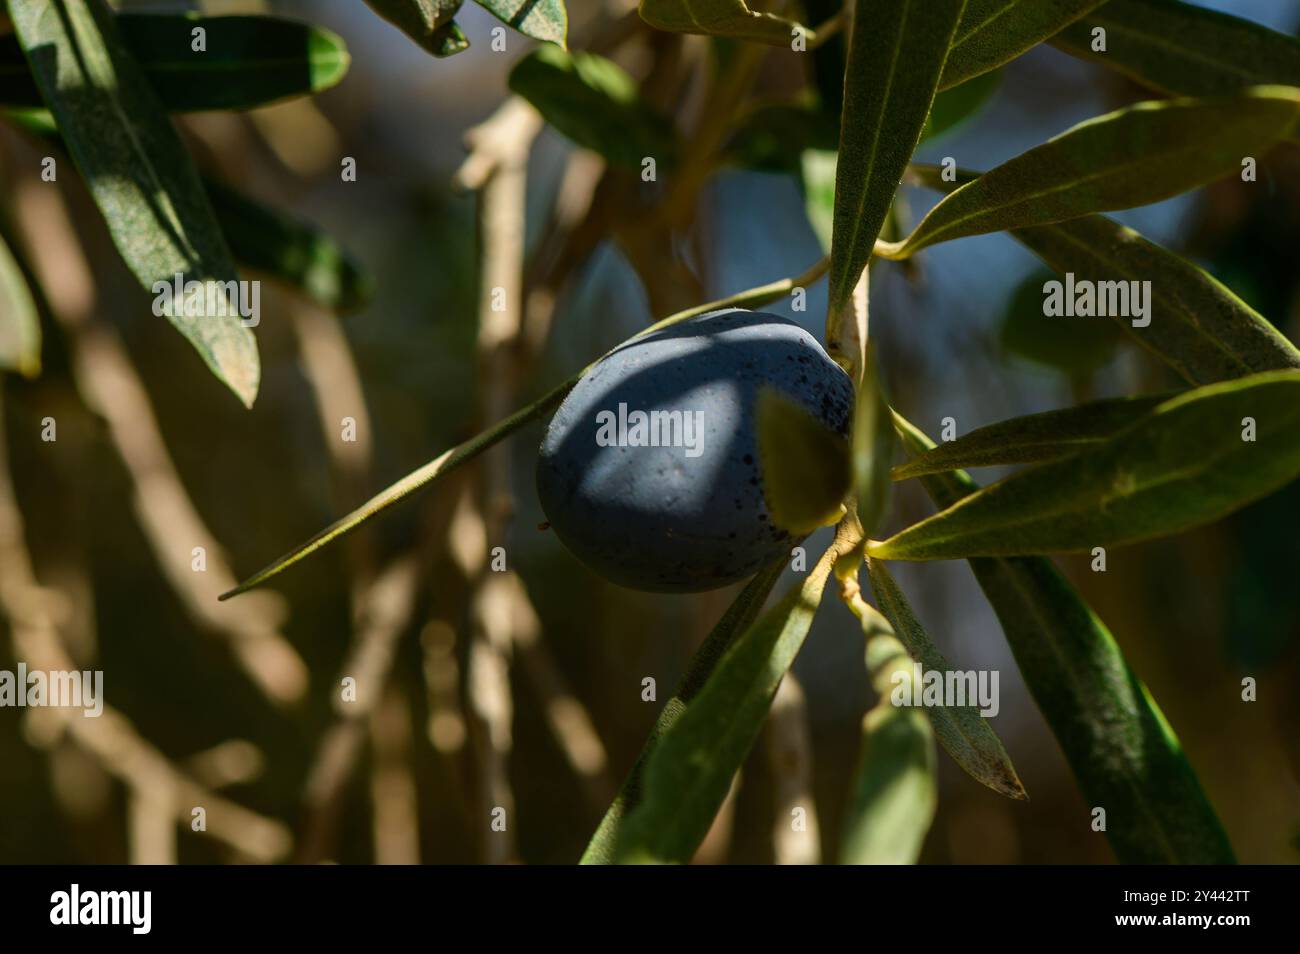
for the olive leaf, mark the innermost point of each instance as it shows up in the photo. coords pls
(20, 325)
(449, 460)
(268, 241)
(813, 154)
(1184, 49)
(1193, 459)
(137, 169)
(1130, 157)
(872, 445)
(805, 465)
(730, 18)
(690, 771)
(246, 61)
(595, 103)
(894, 791)
(993, 32)
(1198, 326)
(541, 19)
(1034, 437)
(963, 732)
(737, 619)
(427, 22)
(1122, 750)
(896, 52)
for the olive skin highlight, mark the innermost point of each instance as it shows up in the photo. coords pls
(649, 472)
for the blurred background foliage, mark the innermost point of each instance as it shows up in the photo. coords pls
(415, 779)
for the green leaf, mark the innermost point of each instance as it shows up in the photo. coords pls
(301, 256)
(805, 465)
(1035, 437)
(1186, 463)
(138, 171)
(872, 446)
(730, 18)
(690, 771)
(595, 103)
(1198, 326)
(738, 618)
(962, 731)
(20, 325)
(1077, 347)
(896, 53)
(993, 32)
(427, 22)
(894, 793)
(1123, 752)
(541, 19)
(449, 460)
(1184, 49)
(247, 62)
(952, 107)
(1130, 157)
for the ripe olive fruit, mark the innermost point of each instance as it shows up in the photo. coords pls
(649, 472)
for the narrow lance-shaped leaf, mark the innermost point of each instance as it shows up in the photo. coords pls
(894, 792)
(962, 730)
(138, 171)
(262, 239)
(245, 61)
(1127, 158)
(1184, 49)
(734, 19)
(449, 460)
(1122, 750)
(1195, 458)
(690, 771)
(805, 465)
(275, 244)
(1197, 325)
(20, 325)
(541, 19)
(738, 618)
(1034, 437)
(897, 50)
(992, 32)
(595, 103)
(427, 22)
